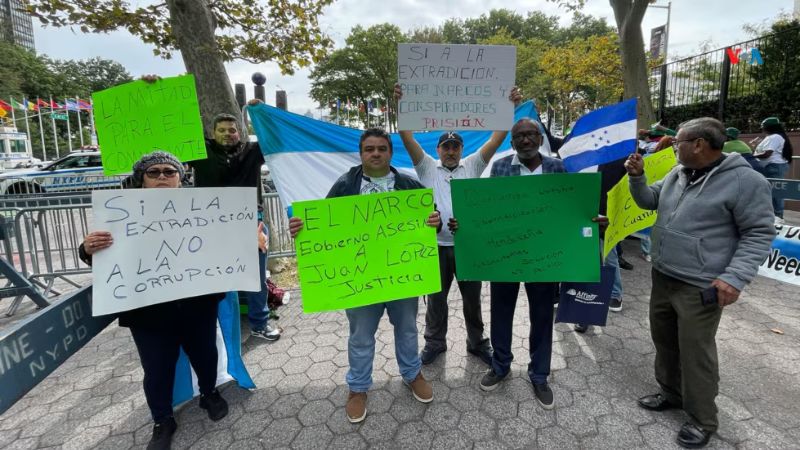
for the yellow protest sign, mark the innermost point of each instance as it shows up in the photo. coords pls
(624, 216)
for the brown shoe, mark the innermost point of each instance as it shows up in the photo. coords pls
(356, 408)
(422, 390)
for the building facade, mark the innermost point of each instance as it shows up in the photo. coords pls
(16, 26)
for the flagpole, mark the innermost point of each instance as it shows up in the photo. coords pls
(69, 128)
(13, 116)
(55, 134)
(41, 129)
(29, 146)
(78, 111)
(91, 122)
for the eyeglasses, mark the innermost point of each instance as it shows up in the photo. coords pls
(154, 174)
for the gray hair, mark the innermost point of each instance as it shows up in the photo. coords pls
(707, 128)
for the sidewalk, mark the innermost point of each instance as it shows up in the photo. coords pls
(95, 400)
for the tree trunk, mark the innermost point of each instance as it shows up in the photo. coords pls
(193, 28)
(628, 15)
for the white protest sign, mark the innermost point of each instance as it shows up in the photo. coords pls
(173, 243)
(455, 87)
(783, 262)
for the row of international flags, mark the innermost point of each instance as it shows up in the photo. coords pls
(68, 104)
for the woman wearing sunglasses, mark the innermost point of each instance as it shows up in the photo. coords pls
(160, 330)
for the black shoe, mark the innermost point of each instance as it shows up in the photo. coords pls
(656, 402)
(216, 405)
(490, 381)
(544, 395)
(580, 328)
(162, 434)
(485, 354)
(692, 436)
(624, 264)
(429, 355)
(615, 305)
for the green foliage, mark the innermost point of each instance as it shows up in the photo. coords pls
(365, 69)
(284, 31)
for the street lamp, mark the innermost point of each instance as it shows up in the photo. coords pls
(668, 7)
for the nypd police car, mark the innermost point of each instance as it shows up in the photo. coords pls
(77, 171)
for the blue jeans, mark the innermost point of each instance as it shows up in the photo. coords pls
(644, 244)
(613, 261)
(540, 311)
(364, 322)
(257, 308)
(773, 170)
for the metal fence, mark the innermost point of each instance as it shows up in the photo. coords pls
(40, 235)
(740, 84)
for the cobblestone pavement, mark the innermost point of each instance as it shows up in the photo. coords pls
(95, 400)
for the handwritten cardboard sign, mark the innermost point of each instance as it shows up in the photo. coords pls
(624, 216)
(527, 228)
(173, 243)
(455, 87)
(139, 117)
(365, 249)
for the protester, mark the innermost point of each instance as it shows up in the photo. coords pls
(526, 137)
(775, 151)
(231, 162)
(436, 174)
(714, 229)
(373, 175)
(611, 173)
(736, 145)
(160, 331)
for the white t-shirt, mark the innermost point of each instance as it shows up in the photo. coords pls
(775, 143)
(523, 169)
(433, 174)
(373, 185)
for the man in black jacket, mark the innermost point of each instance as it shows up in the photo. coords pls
(374, 175)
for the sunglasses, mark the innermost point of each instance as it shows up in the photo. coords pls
(154, 174)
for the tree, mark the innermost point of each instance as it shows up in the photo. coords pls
(364, 69)
(207, 33)
(629, 14)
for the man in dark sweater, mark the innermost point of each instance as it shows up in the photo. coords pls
(234, 163)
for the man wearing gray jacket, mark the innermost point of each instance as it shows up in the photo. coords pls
(714, 228)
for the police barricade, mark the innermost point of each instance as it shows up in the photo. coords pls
(281, 243)
(40, 240)
(32, 349)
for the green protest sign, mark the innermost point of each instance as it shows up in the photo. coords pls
(365, 249)
(527, 228)
(139, 117)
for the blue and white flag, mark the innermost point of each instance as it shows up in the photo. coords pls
(601, 136)
(306, 156)
(230, 366)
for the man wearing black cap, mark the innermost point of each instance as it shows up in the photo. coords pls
(437, 175)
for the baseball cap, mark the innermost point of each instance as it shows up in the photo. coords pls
(450, 136)
(770, 121)
(732, 132)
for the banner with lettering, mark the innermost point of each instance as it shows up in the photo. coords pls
(531, 228)
(455, 87)
(365, 249)
(783, 262)
(173, 243)
(624, 216)
(136, 118)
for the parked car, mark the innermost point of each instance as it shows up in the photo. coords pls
(81, 170)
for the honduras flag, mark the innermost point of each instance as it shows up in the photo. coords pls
(230, 366)
(306, 156)
(601, 136)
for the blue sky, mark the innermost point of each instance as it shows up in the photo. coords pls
(692, 23)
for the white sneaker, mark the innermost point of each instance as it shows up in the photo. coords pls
(779, 221)
(286, 297)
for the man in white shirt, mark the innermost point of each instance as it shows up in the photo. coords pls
(436, 174)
